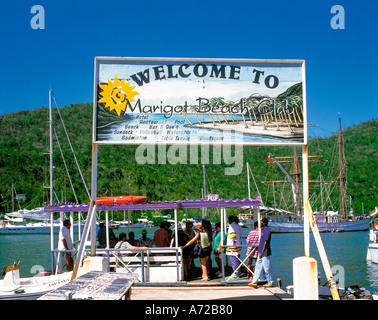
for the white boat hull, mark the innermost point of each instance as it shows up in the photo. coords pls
(33, 287)
(297, 227)
(372, 254)
(28, 229)
(31, 229)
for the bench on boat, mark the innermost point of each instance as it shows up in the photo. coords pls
(151, 265)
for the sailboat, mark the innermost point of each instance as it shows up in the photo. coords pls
(24, 221)
(292, 222)
(37, 220)
(12, 286)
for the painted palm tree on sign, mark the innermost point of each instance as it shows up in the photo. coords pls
(194, 108)
(213, 103)
(231, 103)
(251, 103)
(291, 106)
(220, 103)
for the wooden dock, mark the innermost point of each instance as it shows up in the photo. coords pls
(214, 289)
(207, 292)
(94, 285)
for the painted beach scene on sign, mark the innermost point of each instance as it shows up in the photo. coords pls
(191, 101)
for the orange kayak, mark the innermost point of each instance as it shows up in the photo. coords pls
(122, 200)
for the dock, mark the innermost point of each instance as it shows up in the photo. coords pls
(207, 292)
(94, 285)
(97, 285)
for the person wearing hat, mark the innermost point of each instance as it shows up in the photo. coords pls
(144, 241)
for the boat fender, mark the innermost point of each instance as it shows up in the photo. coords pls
(18, 291)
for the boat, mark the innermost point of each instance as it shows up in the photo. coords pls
(282, 221)
(38, 220)
(152, 264)
(121, 200)
(353, 292)
(372, 251)
(7, 228)
(291, 223)
(35, 221)
(16, 224)
(12, 287)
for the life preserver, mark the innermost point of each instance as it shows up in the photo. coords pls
(122, 200)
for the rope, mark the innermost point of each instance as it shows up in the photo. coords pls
(64, 161)
(73, 152)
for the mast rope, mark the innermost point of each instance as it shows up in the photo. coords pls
(73, 152)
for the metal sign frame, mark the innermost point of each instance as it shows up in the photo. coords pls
(194, 100)
(233, 73)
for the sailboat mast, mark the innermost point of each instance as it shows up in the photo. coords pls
(342, 169)
(296, 168)
(51, 150)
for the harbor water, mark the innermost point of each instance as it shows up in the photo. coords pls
(346, 252)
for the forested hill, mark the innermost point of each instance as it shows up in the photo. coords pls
(24, 141)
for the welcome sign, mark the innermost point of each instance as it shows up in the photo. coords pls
(193, 101)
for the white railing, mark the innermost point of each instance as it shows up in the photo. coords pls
(144, 262)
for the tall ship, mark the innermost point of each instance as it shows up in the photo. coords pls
(284, 221)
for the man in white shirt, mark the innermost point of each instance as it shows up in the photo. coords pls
(65, 243)
(234, 234)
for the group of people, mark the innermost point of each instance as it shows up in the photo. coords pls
(201, 242)
(258, 252)
(201, 236)
(210, 242)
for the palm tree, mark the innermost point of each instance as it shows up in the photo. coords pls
(251, 102)
(245, 123)
(194, 108)
(230, 103)
(184, 113)
(213, 103)
(220, 102)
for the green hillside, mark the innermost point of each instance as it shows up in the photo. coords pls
(24, 140)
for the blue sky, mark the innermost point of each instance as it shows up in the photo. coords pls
(341, 65)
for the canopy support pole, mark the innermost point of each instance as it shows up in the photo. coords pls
(90, 224)
(315, 232)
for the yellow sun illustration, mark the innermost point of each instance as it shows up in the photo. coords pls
(116, 94)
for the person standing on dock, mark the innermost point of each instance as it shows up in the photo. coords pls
(65, 243)
(263, 259)
(218, 247)
(188, 251)
(253, 240)
(234, 234)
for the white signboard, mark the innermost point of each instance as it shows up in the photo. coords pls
(193, 101)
